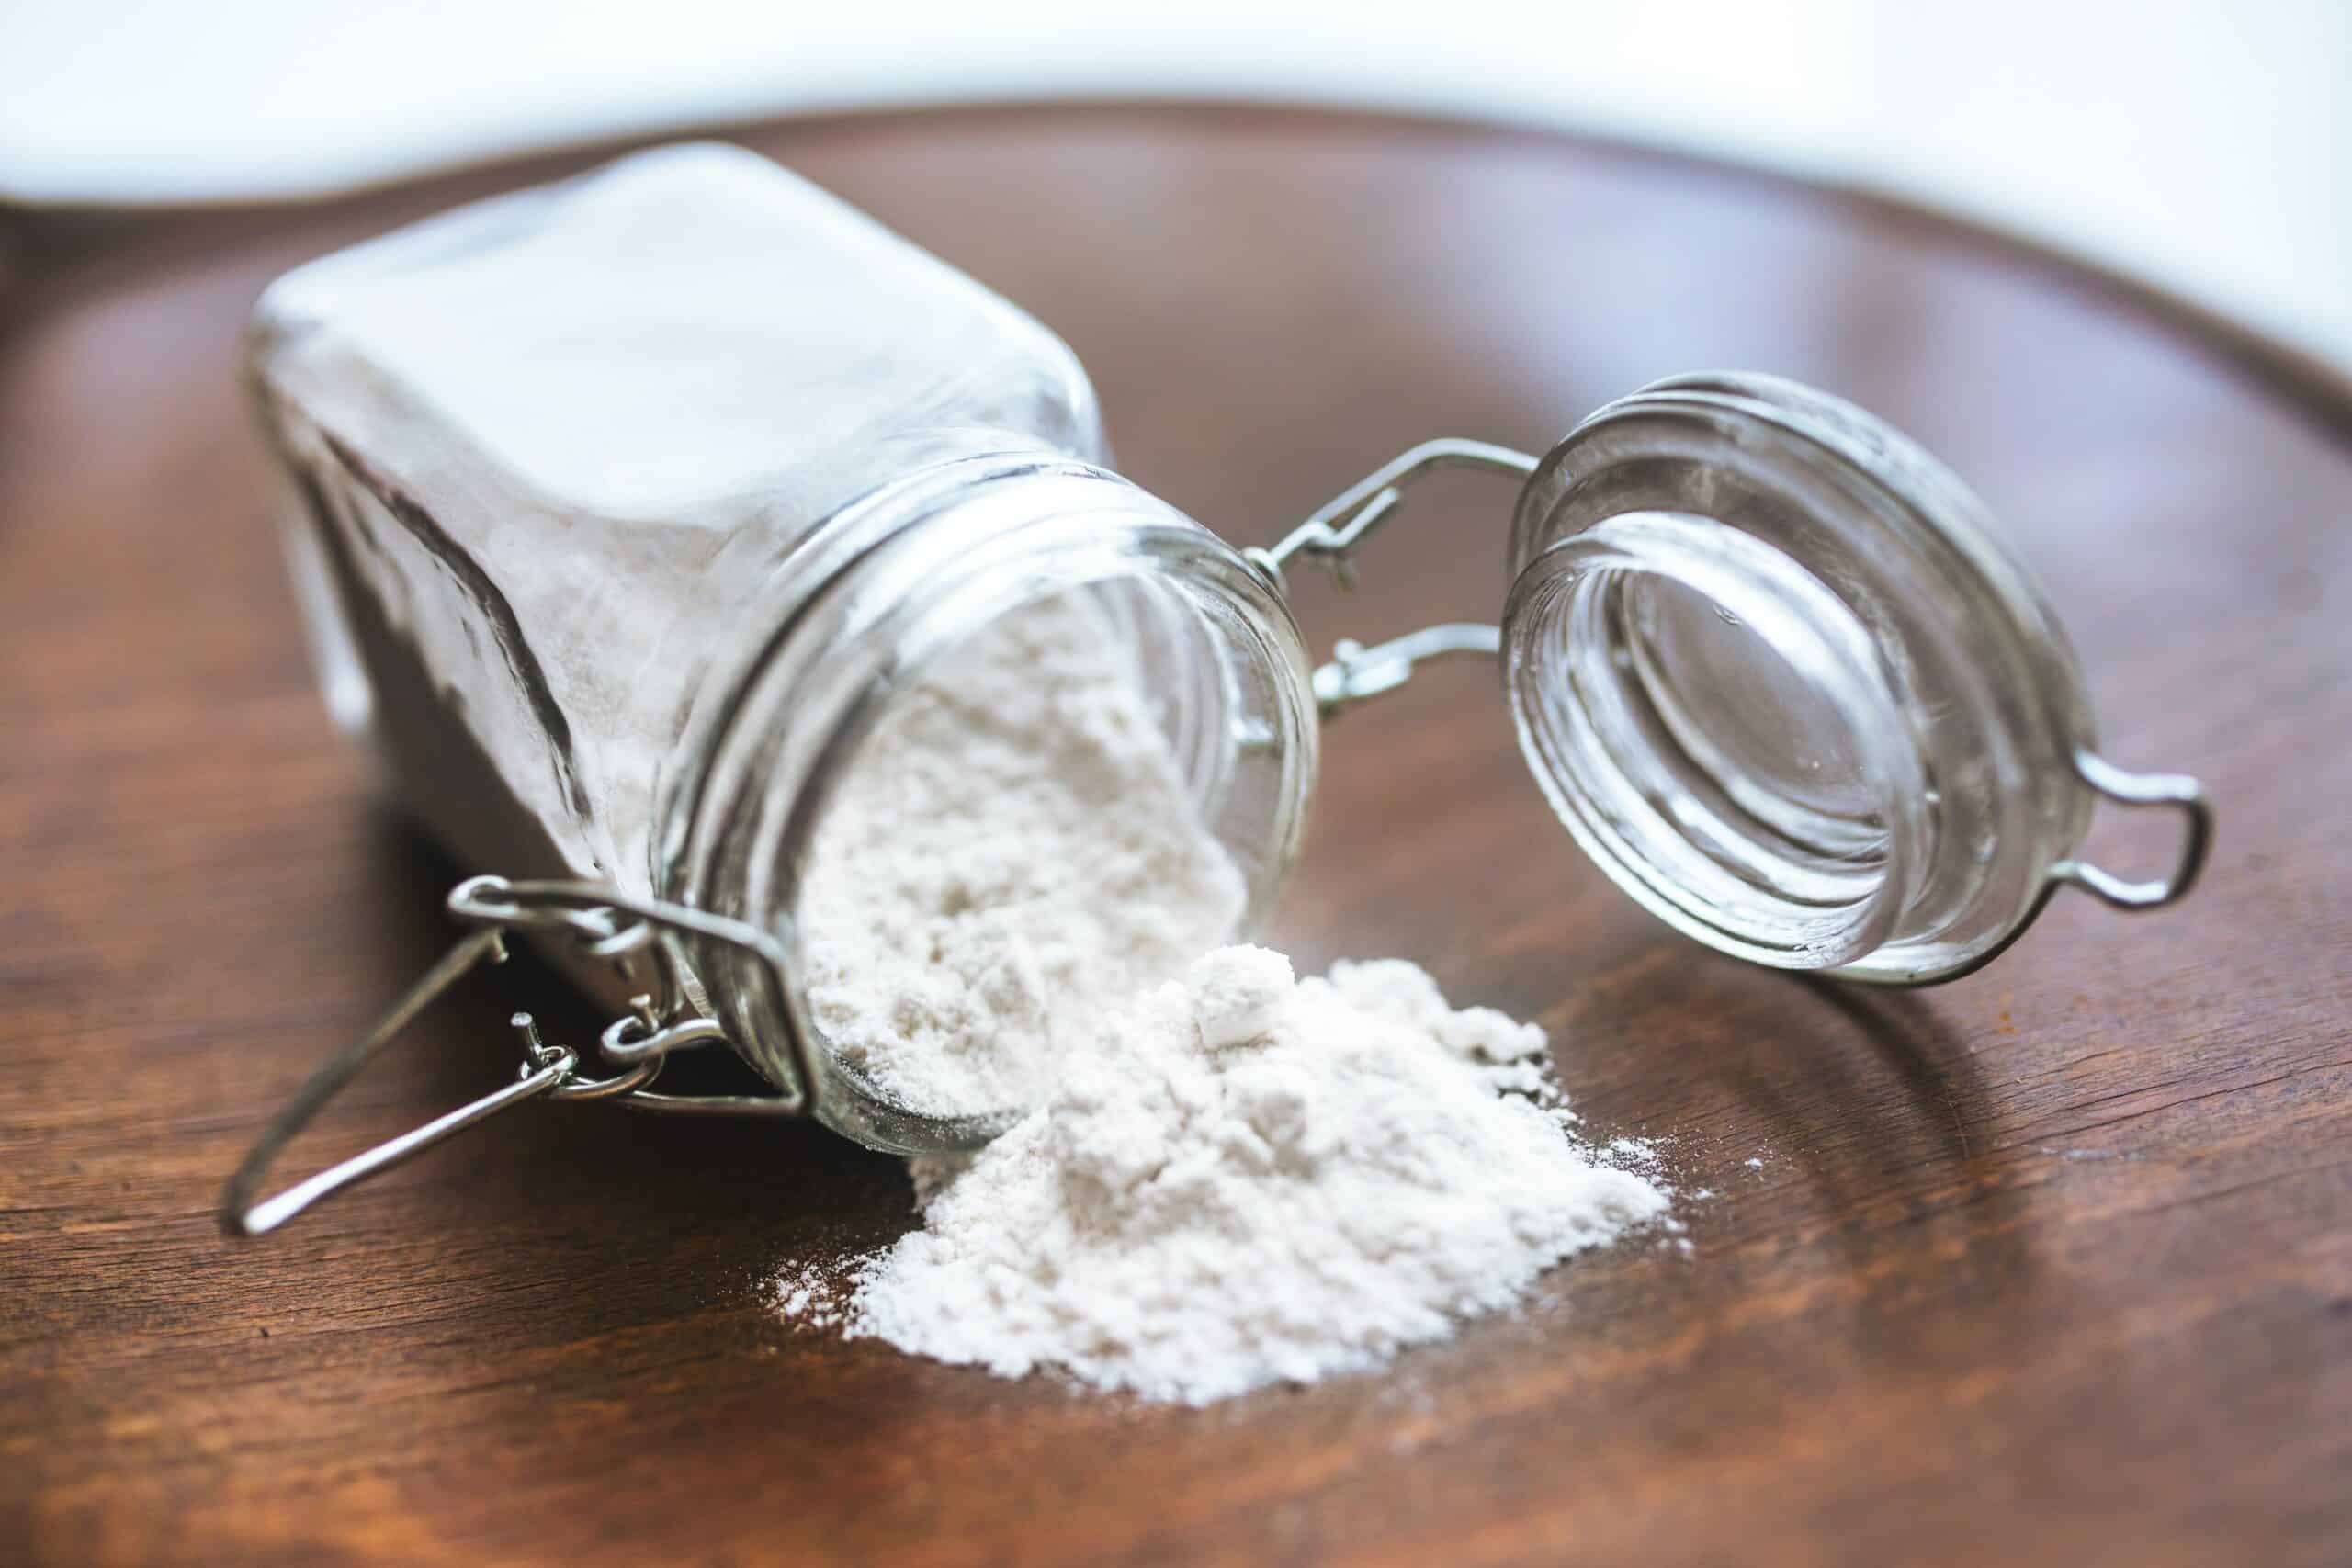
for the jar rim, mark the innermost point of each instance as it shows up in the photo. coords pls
(948, 559)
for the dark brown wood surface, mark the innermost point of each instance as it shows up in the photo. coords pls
(2053, 1264)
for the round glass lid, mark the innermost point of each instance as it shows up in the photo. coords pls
(1780, 678)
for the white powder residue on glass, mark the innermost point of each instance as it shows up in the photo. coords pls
(1248, 1180)
(1224, 1177)
(1011, 852)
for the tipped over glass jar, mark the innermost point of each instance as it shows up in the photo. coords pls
(624, 511)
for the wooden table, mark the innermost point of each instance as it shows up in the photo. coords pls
(2054, 1264)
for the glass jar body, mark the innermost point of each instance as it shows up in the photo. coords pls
(547, 451)
(617, 508)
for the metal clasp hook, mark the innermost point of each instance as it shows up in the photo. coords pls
(1332, 532)
(1356, 671)
(1332, 536)
(639, 1042)
(2178, 791)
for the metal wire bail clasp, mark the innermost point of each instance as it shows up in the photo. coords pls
(1332, 536)
(2177, 792)
(609, 925)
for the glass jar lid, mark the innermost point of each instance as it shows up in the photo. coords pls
(1780, 677)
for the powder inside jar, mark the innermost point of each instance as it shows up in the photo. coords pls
(1011, 852)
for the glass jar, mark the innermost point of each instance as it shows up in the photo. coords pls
(621, 509)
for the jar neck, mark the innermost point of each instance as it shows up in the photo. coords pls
(892, 583)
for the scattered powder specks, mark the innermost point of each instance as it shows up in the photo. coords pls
(2073, 1155)
(1636, 1154)
(803, 1295)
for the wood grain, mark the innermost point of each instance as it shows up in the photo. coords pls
(2052, 1264)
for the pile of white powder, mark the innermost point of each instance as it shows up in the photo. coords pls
(1250, 1180)
(1226, 1177)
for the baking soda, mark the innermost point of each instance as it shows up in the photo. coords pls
(1250, 1180)
(1224, 1177)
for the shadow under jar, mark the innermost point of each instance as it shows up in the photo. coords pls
(622, 510)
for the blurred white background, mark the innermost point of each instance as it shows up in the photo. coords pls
(2204, 145)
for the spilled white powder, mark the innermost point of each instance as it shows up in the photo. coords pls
(1224, 1177)
(1011, 852)
(1248, 1180)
